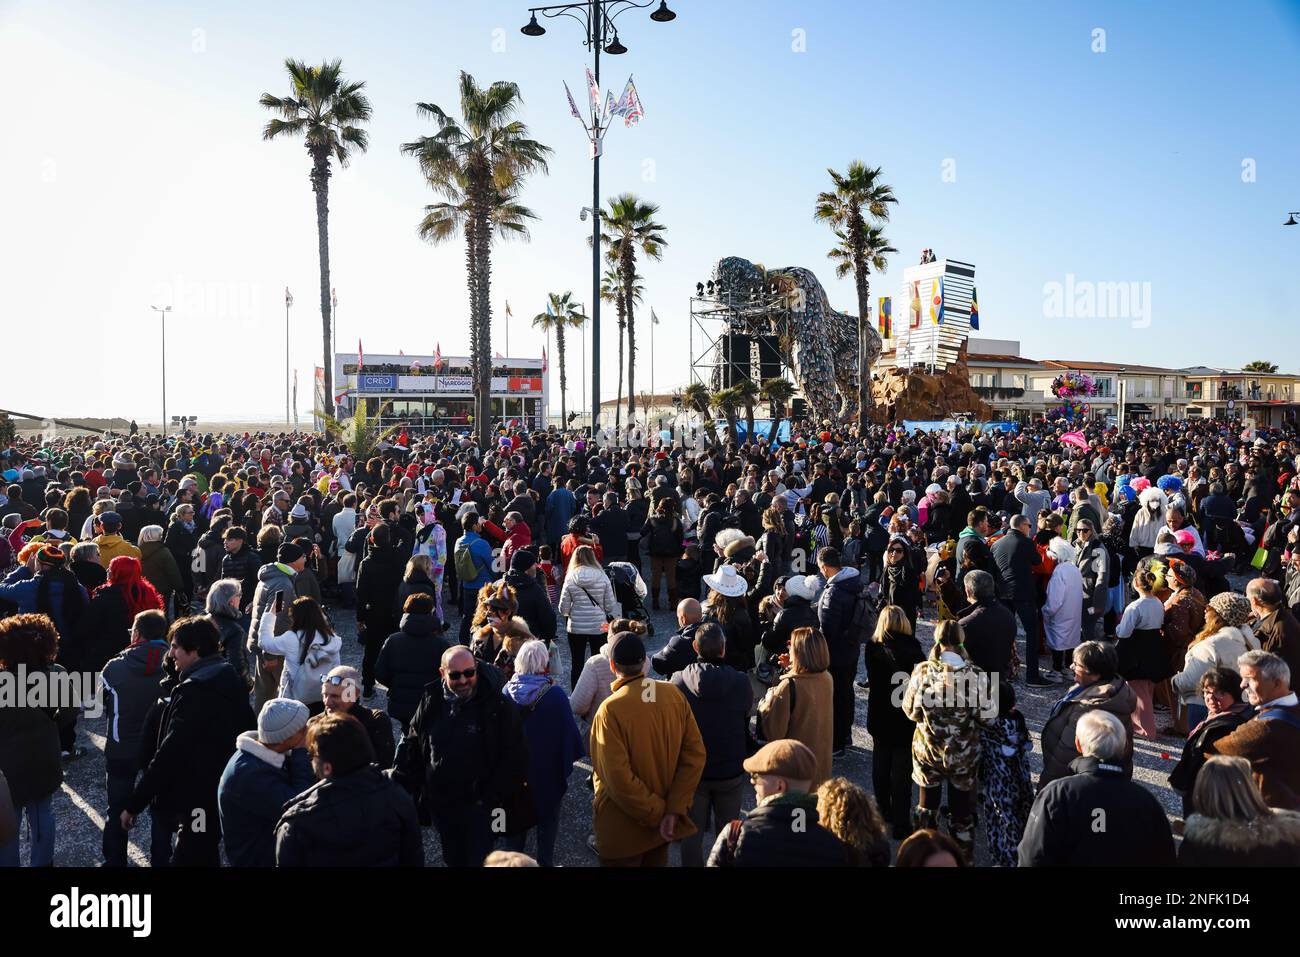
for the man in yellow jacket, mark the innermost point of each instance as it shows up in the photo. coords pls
(647, 756)
(111, 543)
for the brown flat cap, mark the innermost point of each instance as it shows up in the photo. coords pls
(786, 758)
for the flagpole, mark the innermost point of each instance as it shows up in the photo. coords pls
(288, 301)
(594, 375)
(650, 411)
(548, 375)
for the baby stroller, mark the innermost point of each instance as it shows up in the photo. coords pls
(630, 591)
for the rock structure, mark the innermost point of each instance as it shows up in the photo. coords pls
(912, 394)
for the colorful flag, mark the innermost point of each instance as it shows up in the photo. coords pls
(1075, 438)
(974, 310)
(573, 107)
(497, 355)
(543, 358)
(936, 301)
(361, 358)
(915, 321)
(634, 109)
(594, 88)
(401, 353)
(549, 310)
(886, 317)
(437, 357)
(609, 106)
(288, 297)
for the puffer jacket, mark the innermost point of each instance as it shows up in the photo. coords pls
(586, 599)
(271, 579)
(132, 683)
(232, 639)
(1149, 519)
(359, 819)
(300, 678)
(1057, 741)
(534, 604)
(408, 661)
(943, 697)
(835, 611)
(1219, 650)
(244, 566)
(796, 613)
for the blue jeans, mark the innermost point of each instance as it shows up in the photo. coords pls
(40, 831)
(547, 830)
(119, 779)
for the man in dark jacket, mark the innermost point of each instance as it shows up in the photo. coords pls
(409, 657)
(721, 699)
(748, 518)
(835, 610)
(464, 756)
(269, 768)
(534, 603)
(1097, 817)
(680, 649)
(612, 526)
(196, 736)
(783, 830)
(354, 816)
(1016, 555)
(341, 693)
(988, 625)
(131, 683)
(242, 563)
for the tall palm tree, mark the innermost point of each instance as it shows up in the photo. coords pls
(857, 197)
(728, 401)
(777, 391)
(747, 392)
(327, 112)
(1260, 365)
(696, 396)
(479, 164)
(629, 224)
(611, 291)
(561, 312)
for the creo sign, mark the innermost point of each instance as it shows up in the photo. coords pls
(376, 383)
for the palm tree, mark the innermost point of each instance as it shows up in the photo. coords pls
(696, 397)
(561, 311)
(629, 223)
(611, 291)
(747, 392)
(728, 401)
(327, 112)
(777, 391)
(478, 163)
(857, 195)
(1260, 365)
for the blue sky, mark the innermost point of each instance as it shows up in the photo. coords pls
(135, 173)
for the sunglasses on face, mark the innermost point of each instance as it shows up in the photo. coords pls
(457, 675)
(334, 681)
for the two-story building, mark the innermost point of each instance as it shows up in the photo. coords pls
(1270, 398)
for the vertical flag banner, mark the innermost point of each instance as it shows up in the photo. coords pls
(974, 310)
(634, 110)
(914, 322)
(594, 89)
(936, 301)
(544, 365)
(886, 314)
(573, 107)
(288, 297)
(508, 312)
(361, 358)
(437, 357)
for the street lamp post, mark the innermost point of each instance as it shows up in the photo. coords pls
(597, 19)
(162, 325)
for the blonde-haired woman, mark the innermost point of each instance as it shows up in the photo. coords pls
(848, 812)
(892, 651)
(1232, 826)
(587, 601)
(799, 706)
(945, 698)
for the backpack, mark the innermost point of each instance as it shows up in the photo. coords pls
(466, 569)
(862, 623)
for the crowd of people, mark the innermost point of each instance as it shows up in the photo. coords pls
(502, 597)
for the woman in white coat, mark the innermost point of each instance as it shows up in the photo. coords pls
(309, 647)
(344, 524)
(587, 601)
(1224, 639)
(1063, 610)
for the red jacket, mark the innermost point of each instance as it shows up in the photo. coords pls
(516, 538)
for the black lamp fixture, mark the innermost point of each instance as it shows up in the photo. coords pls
(663, 14)
(615, 48)
(1290, 219)
(699, 290)
(533, 29)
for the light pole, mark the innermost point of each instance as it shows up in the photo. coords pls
(162, 325)
(288, 301)
(597, 19)
(1291, 219)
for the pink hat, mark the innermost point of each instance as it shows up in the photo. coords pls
(1184, 537)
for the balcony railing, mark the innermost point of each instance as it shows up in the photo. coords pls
(1003, 392)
